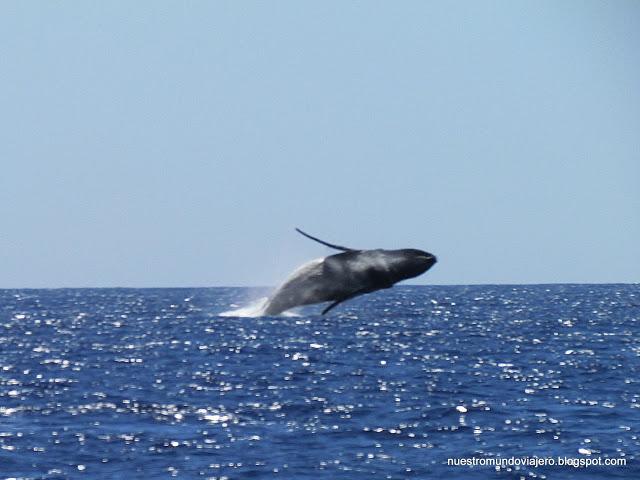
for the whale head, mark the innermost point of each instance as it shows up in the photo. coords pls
(410, 262)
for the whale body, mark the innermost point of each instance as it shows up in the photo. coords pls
(343, 276)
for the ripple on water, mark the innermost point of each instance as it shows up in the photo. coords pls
(153, 383)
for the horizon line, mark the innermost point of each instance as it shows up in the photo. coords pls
(275, 286)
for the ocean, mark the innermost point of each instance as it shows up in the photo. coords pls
(404, 383)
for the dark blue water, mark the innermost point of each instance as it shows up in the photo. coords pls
(152, 383)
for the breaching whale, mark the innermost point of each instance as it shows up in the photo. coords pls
(343, 276)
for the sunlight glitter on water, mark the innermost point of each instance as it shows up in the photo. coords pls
(143, 382)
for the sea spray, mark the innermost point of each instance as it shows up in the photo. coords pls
(254, 309)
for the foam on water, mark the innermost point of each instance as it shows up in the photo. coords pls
(255, 309)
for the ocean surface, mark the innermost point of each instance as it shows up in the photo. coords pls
(154, 383)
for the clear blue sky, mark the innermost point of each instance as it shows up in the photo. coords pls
(179, 143)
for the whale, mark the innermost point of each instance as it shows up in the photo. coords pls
(344, 276)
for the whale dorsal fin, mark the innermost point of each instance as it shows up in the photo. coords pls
(337, 247)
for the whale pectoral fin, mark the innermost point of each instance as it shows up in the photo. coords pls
(344, 299)
(330, 245)
(334, 304)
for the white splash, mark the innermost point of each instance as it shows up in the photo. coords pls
(254, 309)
